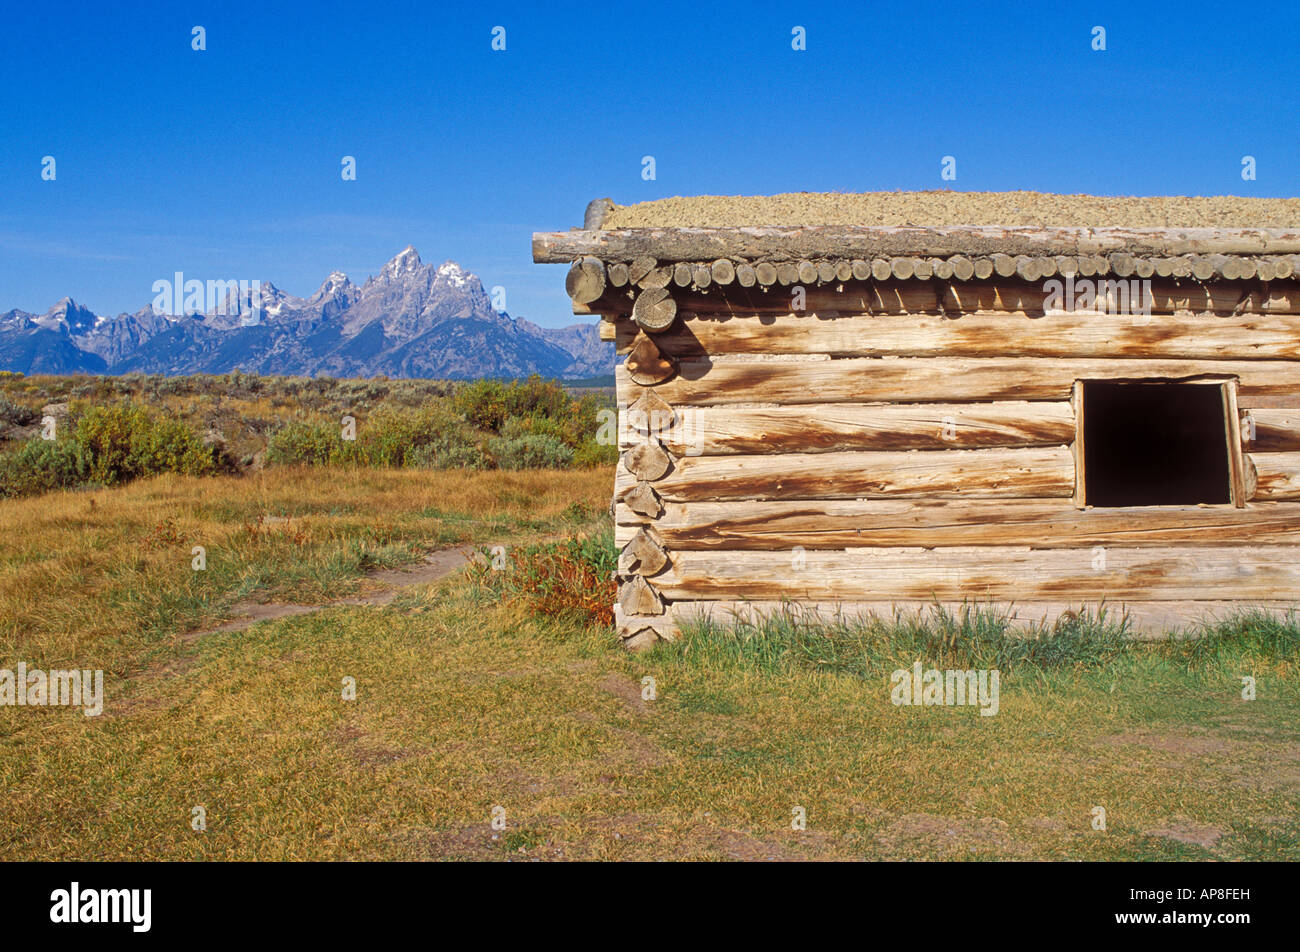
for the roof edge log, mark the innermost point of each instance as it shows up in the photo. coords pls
(842, 241)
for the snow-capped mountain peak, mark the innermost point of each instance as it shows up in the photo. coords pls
(406, 261)
(68, 315)
(336, 282)
(410, 320)
(451, 273)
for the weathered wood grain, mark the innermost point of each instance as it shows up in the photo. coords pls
(629, 626)
(649, 414)
(1010, 473)
(847, 241)
(705, 382)
(639, 267)
(917, 380)
(1270, 430)
(1006, 334)
(1042, 523)
(654, 309)
(640, 498)
(638, 597)
(641, 555)
(647, 364)
(1156, 574)
(836, 427)
(1277, 475)
(645, 461)
(1240, 475)
(586, 280)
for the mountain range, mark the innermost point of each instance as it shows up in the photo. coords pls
(410, 320)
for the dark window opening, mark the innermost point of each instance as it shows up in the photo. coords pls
(1154, 444)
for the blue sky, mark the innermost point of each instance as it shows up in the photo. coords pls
(225, 163)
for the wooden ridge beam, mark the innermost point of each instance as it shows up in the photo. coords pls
(868, 241)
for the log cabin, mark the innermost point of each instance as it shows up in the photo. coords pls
(874, 403)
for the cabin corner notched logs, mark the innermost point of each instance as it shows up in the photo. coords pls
(911, 430)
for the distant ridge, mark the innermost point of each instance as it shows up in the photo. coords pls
(410, 320)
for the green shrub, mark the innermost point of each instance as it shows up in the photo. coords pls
(393, 437)
(307, 443)
(400, 423)
(556, 429)
(107, 445)
(483, 403)
(42, 465)
(529, 452)
(537, 397)
(16, 414)
(488, 404)
(430, 438)
(590, 454)
(125, 441)
(449, 454)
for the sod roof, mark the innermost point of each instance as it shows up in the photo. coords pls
(949, 208)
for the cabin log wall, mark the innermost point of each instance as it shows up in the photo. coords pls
(902, 442)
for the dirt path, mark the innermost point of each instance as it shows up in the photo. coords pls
(436, 566)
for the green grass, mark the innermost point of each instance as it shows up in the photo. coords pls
(107, 575)
(467, 700)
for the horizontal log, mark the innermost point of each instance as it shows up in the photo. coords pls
(1038, 472)
(1000, 296)
(835, 427)
(983, 334)
(1277, 475)
(1144, 619)
(930, 523)
(988, 572)
(1270, 401)
(867, 241)
(704, 382)
(1271, 430)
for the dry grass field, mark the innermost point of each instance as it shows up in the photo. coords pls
(469, 698)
